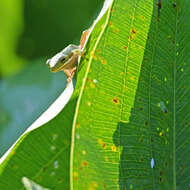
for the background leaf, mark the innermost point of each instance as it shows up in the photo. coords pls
(23, 98)
(11, 27)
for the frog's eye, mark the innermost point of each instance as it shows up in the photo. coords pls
(63, 60)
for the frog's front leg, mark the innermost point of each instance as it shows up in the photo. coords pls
(70, 73)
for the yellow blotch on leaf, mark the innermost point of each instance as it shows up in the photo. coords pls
(110, 24)
(106, 159)
(103, 61)
(92, 85)
(93, 55)
(122, 74)
(93, 186)
(75, 174)
(160, 134)
(100, 141)
(114, 149)
(102, 92)
(132, 78)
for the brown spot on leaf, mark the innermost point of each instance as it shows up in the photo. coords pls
(165, 111)
(146, 123)
(39, 178)
(80, 168)
(60, 180)
(116, 30)
(103, 145)
(115, 100)
(112, 10)
(85, 163)
(98, 51)
(174, 4)
(142, 159)
(110, 24)
(44, 169)
(134, 31)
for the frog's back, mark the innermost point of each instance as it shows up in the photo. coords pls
(69, 49)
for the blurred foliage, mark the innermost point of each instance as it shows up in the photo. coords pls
(24, 97)
(30, 31)
(52, 25)
(11, 26)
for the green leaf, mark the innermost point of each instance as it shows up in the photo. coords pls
(126, 126)
(41, 155)
(131, 125)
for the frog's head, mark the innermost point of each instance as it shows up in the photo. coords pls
(57, 62)
(60, 60)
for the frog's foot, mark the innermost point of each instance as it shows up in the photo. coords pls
(70, 73)
(68, 81)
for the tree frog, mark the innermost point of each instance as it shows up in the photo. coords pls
(67, 59)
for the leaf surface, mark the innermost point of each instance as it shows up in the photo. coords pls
(130, 128)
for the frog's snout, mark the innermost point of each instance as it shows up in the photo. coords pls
(48, 62)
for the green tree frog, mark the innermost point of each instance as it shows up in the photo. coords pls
(67, 59)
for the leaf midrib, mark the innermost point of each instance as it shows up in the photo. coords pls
(81, 93)
(174, 109)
